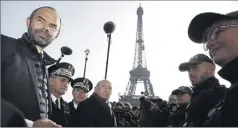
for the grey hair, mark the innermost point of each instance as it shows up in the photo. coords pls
(99, 83)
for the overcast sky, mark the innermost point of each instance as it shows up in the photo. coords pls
(165, 37)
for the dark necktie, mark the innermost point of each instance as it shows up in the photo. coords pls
(57, 103)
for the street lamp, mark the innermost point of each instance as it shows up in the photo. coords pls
(87, 51)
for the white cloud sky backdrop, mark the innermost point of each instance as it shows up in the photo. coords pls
(165, 37)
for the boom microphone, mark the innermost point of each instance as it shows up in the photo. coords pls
(66, 50)
(109, 27)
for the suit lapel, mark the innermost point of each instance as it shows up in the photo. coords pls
(31, 69)
(114, 119)
(104, 105)
(49, 96)
(53, 103)
(28, 56)
(110, 112)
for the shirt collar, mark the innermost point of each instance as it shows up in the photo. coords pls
(40, 50)
(99, 98)
(53, 98)
(75, 105)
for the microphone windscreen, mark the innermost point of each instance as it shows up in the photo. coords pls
(109, 27)
(66, 50)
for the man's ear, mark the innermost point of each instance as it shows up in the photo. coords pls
(59, 29)
(212, 69)
(58, 33)
(28, 22)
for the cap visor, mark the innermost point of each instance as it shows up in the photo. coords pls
(66, 77)
(201, 22)
(81, 88)
(178, 91)
(184, 66)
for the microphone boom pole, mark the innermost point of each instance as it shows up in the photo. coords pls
(108, 50)
(64, 51)
(62, 55)
(108, 27)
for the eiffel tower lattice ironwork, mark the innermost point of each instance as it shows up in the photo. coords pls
(139, 73)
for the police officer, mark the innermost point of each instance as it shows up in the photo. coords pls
(177, 110)
(218, 33)
(207, 90)
(81, 87)
(183, 94)
(60, 76)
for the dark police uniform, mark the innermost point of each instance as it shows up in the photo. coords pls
(225, 113)
(205, 95)
(84, 84)
(60, 108)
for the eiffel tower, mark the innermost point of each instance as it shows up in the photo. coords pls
(139, 73)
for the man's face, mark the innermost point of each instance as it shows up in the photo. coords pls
(43, 27)
(79, 95)
(199, 73)
(224, 47)
(104, 90)
(59, 84)
(172, 99)
(184, 98)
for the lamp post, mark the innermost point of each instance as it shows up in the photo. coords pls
(87, 51)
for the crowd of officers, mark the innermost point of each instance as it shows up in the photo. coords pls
(189, 107)
(33, 83)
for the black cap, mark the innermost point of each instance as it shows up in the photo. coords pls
(62, 69)
(203, 21)
(183, 89)
(197, 59)
(135, 108)
(82, 83)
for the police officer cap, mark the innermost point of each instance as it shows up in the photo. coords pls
(82, 83)
(182, 89)
(62, 69)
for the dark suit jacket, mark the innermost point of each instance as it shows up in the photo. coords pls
(11, 116)
(61, 116)
(71, 107)
(19, 78)
(93, 112)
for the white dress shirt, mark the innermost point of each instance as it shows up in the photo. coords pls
(110, 106)
(75, 105)
(40, 50)
(54, 100)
